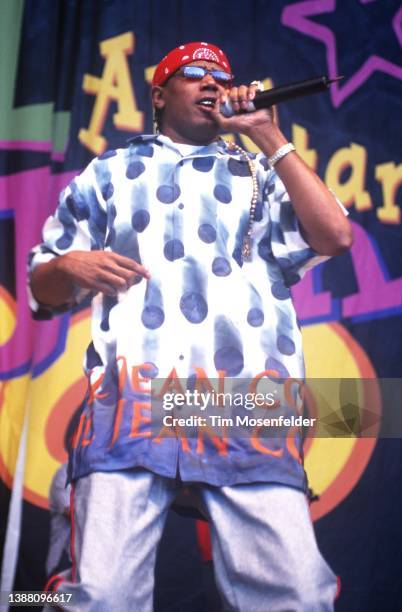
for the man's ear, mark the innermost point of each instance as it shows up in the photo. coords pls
(157, 94)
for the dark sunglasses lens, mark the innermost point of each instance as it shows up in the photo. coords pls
(219, 75)
(198, 72)
(193, 72)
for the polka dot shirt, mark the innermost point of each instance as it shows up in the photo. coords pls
(183, 214)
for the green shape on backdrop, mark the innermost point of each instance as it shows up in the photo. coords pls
(36, 122)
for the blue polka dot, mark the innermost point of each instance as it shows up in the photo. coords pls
(107, 191)
(264, 249)
(255, 317)
(97, 226)
(203, 164)
(222, 193)
(238, 256)
(207, 233)
(92, 358)
(64, 241)
(286, 265)
(284, 262)
(238, 168)
(193, 307)
(258, 211)
(277, 235)
(264, 163)
(107, 154)
(134, 169)
(145, 150)
(287, 218)
(221, 266)
(280, 291)
(108, 303)
(149, 370)
(273, 364)
(111, 213)
(268, 189)
(174, 249)
(105, 323)
(229, 359)
(140, 220)
(167, 193)
(292, 278)
(126, 242)
(285, 345)
(181, 206)
(152, 317)
(78, 208)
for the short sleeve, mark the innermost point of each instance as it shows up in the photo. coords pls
(78, 224)
(290, 250)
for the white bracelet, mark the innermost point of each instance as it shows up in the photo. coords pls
(281, 152)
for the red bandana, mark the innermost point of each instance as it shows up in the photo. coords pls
(189, 53)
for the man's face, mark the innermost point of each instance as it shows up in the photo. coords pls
(186, 106)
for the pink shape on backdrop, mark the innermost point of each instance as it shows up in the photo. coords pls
(26, 145)
(309, 304)
(376, 292)
(32, 195)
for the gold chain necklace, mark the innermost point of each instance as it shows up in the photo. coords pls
(246, 246)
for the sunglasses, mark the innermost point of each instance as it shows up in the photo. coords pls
(198, 72)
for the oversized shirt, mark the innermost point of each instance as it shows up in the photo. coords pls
(205, 315)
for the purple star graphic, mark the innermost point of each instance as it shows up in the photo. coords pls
(296, 16)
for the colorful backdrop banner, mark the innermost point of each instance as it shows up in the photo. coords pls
(75, 78)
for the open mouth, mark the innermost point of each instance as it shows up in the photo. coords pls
(207, 102)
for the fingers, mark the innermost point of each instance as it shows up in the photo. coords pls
(241, 96)
(106, 289)
(129, 264)
(112, 284)
(103, 271)
(119, 273)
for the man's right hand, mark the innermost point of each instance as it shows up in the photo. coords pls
(53, 283)
(101, 270)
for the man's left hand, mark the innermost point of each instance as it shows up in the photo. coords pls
(243, 122)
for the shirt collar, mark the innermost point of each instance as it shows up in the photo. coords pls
(217, 147)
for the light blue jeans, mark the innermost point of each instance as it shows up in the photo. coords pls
(265, 554)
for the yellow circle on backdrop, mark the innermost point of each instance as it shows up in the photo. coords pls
(8, 317)
(46, 390)
(13, 401)
(335, 464)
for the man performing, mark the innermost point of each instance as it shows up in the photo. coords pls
(189, 246)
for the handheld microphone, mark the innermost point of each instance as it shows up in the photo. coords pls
(265, 99)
